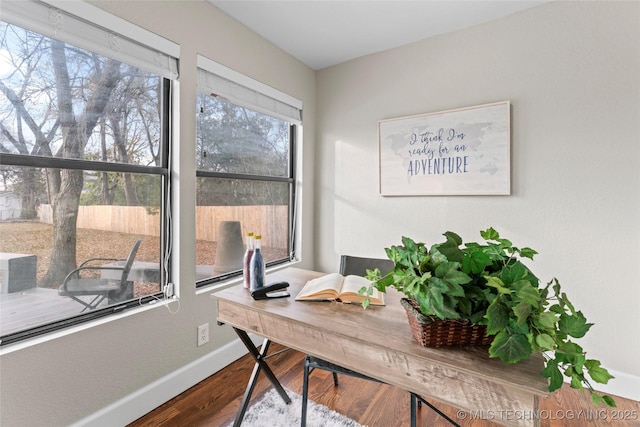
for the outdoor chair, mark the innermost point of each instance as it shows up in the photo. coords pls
(75, 286)
(356, 266)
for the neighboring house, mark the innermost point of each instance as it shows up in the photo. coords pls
(10, 206)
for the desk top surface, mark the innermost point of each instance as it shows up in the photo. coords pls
(385, 327)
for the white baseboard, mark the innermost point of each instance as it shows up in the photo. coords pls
(623, 385)
(146, 399)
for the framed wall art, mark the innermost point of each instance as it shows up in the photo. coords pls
(456, 152)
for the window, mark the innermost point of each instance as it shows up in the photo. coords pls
(84, 167)
(245, 156)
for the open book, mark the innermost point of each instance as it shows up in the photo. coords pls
(336, 287)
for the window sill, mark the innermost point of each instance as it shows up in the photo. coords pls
(41, 339)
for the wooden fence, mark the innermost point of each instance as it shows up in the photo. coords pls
(269, 221)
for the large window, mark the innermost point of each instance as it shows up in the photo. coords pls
(83, 170)
(245, 156)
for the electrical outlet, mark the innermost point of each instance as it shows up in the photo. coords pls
(203, 334)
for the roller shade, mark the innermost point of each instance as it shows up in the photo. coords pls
(218, 80)
(57, 20)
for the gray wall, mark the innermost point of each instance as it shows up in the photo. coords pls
(572, 73)
(62, 380)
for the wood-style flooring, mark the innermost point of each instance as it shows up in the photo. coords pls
(214, 401)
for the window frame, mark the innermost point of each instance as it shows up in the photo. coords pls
(292, 106)
(101, 19)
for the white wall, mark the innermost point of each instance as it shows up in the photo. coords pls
(75, 377)
(572, 73)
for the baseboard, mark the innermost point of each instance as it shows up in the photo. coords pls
(623, 385)
(146, 399)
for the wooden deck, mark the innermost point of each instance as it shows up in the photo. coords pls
(34, 307)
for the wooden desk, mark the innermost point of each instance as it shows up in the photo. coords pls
(378, 342)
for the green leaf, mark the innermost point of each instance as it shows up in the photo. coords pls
(510, 347)
(522, 311)
(609, 401)
(464, 305)
(569, 349)
(556, 287)
(495, 252)
(545, 342)
(596, 399)
(505, 242)
(513, 272)
(596, 372)
(576, 382)
(447, 312)
(575, 325)
(476, 262)
(453, 238)
(490, 234)
(552, 372)
(373, 275)
(449, 272)
(455, 290)
(556, 309)
(527, 253)
(565, 301)
(497, 316)
(432, 302)
(546, 320)
(527, 293)
(366, 302)
(495, 282)
(451, 248)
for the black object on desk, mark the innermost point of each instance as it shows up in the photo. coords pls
(274, 290)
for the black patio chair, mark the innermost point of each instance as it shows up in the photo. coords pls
(75, 286)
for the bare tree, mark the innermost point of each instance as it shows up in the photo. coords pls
(64, 102)
(76, 130)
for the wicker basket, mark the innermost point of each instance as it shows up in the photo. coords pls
(442, 333)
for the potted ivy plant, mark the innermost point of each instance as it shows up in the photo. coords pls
(488, 284)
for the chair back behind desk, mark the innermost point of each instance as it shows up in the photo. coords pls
(378, 342)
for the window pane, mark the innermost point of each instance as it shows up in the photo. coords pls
(32, 273)
(84, 147)
(234, 139)
(260, 207)
(110, 111)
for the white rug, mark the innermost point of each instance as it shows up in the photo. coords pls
(271, 411)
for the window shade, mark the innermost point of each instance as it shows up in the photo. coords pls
(218, 80)
(56, 20)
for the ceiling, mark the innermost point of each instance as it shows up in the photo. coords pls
(325, 33)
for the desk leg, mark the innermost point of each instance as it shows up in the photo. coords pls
(259, 357)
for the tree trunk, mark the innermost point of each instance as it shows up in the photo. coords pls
(28, 194)
(65, 214)
(75, 134)
(120, 145)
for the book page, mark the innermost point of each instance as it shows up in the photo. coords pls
(325, 287)
(352, 285)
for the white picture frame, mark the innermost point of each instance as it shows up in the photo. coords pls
(465, 151)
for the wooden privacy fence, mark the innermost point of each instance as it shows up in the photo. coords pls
(269, 221)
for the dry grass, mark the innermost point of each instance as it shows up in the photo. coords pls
(35, 238)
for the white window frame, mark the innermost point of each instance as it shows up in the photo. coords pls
(242, 90)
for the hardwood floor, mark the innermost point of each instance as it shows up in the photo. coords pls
(214, 401)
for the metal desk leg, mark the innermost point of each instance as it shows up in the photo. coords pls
(259, 357)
